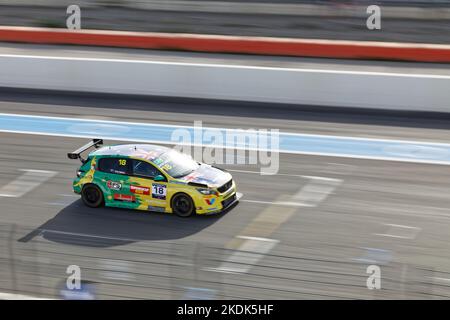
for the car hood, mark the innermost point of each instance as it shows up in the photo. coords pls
(206, 174)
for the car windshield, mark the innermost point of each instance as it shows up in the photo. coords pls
(176, 164)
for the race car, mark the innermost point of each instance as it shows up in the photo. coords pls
(152, 178)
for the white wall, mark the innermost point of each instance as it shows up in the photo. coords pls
(327, 88)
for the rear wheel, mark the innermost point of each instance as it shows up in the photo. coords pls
(182, 205)
(92, 196)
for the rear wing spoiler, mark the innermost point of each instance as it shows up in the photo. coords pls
(76, 154)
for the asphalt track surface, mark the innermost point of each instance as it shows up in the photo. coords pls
(311, 230)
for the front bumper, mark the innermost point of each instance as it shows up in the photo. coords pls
(222, 203)
(233, 200)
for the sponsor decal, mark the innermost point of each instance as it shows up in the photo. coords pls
(201, 176)
(113, 185)
(192, 176)
(118, 171)
(159, 191)
(124, 197)
(210, 201)
(140, 190)
(156, 209)
(148, 155)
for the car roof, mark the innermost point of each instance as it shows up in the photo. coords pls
(140, 151)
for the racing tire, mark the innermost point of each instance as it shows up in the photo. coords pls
(182, 205)
(92, 196)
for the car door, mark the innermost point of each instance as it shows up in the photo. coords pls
(113, 174)
(151, 194)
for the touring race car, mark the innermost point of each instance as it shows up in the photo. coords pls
(152, 178)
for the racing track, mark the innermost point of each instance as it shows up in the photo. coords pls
(312, 229)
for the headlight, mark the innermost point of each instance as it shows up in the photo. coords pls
(79, 173)
(206, 191)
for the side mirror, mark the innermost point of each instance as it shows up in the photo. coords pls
(159, 178)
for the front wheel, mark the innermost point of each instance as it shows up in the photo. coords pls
(182, 205)
(92, 196)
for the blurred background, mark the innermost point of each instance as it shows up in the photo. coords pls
(405, 21)
(365, 180)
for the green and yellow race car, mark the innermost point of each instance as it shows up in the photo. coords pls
(152, 178)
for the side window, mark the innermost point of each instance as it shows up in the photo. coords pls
(114, 165)
(144, 169)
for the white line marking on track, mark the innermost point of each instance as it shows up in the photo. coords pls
(76, 234)
(26, 182)
(259, 172)
(247, 255)
(400, 226)
(256, 238)
(116, 122)
(439, 279)
(69, 195)
(293, 204)
(390, 236)
(277, 203)
(400, 231)
(116, 270)
(311, 195)
(322, 154)
(16, 296)
(333, 180)
(314, 192)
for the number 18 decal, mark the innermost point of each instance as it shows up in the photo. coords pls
(159, 191)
